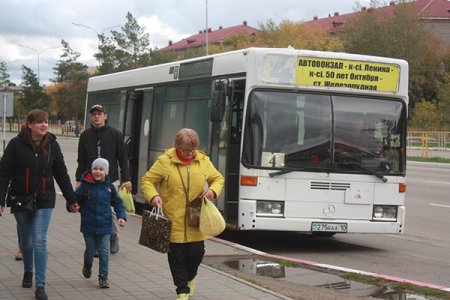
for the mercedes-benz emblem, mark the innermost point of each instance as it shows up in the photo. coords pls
(329, 210)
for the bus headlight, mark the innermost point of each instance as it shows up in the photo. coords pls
(269, 208)
(384, 213)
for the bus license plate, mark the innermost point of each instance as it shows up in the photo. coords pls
(329, 227)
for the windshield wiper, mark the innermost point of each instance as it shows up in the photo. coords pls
(371, 172)
(281, 172)
(285, 171)
(348, 163)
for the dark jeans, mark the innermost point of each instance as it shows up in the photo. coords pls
(184, 260)
(99, 243)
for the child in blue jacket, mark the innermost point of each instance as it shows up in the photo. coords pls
(95, 196)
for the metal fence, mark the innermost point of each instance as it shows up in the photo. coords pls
(429, 143)
(57, 129)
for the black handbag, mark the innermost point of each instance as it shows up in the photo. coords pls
(21, 203)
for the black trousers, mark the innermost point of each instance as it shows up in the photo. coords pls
(184, 260)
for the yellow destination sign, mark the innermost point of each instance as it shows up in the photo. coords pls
(338, 73)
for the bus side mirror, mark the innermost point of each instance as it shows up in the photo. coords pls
(217, 106)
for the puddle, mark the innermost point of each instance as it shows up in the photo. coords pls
(315, 278)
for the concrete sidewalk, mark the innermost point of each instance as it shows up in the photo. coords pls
(135, 272)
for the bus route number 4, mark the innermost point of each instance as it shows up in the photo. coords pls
(274, 160)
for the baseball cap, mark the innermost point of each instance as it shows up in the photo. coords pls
(97, 107)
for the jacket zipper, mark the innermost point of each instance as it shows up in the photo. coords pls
(187, 198)
(27, 179)
(36, 182)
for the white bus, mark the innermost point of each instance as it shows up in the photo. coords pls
(307, 141)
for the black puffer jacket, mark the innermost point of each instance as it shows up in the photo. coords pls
(31, 172)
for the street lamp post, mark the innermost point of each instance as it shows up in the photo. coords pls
(206, 32)
(38, 54)
(93, 29)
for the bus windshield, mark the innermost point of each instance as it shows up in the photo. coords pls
(322, 132)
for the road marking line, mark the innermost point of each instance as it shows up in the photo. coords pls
(440, 205)
(437, 182)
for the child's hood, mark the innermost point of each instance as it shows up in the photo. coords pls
(88, 178)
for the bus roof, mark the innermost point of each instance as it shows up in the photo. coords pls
(315, 70)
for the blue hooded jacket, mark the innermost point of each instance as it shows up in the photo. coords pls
(95, 199)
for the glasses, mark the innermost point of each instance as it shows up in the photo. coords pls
(186, 151)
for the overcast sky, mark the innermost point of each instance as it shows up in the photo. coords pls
(41, 24)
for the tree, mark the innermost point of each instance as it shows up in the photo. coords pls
(4, 75)
(299, 35)
(400, 35)
(67, 66)
(132, 45)
(106, 55)
(425, 116)
(125, 50)
(443, 94)
(69, 93)
(32, 94)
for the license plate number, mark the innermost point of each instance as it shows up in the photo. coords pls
(329, 227)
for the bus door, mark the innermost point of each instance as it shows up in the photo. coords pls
(228, 148)
(142, 161)
(131, 133)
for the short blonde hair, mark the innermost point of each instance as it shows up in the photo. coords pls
(186, 137)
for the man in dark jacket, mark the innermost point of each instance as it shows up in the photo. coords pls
(102, 140)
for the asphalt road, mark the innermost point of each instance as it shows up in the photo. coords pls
(421, 254)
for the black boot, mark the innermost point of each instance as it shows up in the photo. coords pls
(27, 280)
(40, 294)
(87, 270)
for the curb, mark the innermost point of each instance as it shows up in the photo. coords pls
(332, 267)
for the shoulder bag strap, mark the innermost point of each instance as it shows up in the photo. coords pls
(186, 190)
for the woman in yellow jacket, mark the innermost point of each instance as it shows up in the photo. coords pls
(180, 171)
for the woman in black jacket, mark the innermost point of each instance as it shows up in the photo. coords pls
(29, 164)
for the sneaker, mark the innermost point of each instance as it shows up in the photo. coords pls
(27, 280)
(19, 255)
(114, 244)
(191, 286)
(40, 294)
(183, 296)
(103, 282)
(87, 271)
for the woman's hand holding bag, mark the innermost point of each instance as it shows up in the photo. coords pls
(211, 220)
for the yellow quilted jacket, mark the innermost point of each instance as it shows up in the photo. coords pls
(164, 175)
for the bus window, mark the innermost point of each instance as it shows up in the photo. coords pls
(368, 131)
(114, 104)
(294, 127)
(178, 106)
(194, 109)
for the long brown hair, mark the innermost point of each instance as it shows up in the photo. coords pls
(36, 116)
